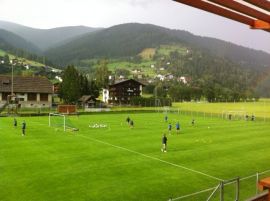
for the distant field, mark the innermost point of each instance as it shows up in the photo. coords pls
(118, 163)
(145, 66)
(259, 109)
(148, 53)
(11, 56)
(167, 49)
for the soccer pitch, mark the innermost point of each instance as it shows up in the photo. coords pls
(119, 163)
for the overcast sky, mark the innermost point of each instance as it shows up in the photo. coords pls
(106, 13)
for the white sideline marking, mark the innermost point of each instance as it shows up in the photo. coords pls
(151, 157)
(196, 193)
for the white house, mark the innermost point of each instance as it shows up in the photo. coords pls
(105, 95)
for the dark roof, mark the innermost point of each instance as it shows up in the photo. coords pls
(123, 81)
(26, 84)
(86, 98)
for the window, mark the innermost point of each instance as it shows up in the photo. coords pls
(5, 96)
(43, 97)
(6, 82)
(32, 97)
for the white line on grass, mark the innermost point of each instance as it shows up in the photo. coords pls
(151, 157)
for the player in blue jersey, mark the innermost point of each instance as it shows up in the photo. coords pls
(177, 128)
(170, 128)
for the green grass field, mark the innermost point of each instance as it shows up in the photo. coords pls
(259, 109)
(119, 163)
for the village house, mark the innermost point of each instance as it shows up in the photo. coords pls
(29, 91)
(121, 92)
(87, 101)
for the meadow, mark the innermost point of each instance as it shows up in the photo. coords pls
(119, 163)
(259, 108)
(25, 61)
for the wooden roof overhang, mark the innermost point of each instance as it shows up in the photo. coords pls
(255, 13)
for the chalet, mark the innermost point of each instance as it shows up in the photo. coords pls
(30, 91)
(105, 95)
(87, 101)
(121, 92)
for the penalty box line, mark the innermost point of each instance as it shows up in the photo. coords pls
(153, 158)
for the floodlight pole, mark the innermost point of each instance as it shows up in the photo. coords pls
(12, 91)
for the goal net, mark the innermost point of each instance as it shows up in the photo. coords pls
(61, 121)
(234, 114)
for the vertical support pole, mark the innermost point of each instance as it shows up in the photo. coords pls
(237, 189)
(264, 111)
(12, 78)
(221, 191)
(64, 123)
(49, 120)
(257, 181)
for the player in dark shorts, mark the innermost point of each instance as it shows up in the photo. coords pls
(166, 118)
(177, 127)
(128, 120)
(23, 128)
(15, 123)
(164, 143)
(131, 123)
(253, 118)
(170, 128)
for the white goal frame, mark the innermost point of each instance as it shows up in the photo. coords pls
(60, 115)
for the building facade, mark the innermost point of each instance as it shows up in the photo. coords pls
(121, 92)
(29, 91)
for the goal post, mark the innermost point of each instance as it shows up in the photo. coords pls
(57, 120)
(61, 120)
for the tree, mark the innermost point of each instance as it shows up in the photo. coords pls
(6, 59)
(122, 71)
(160, 91)
(93, 88)
(102, 74)
(84, 85)
(70, 89)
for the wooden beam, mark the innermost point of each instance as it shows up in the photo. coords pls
(259, 24)
(218, 10)
(243, 9)
(264, 4)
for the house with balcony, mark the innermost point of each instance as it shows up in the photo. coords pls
(122, 91)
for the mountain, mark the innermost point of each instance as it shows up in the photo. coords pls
(46, 38)
(130, 39)
(12, 42)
